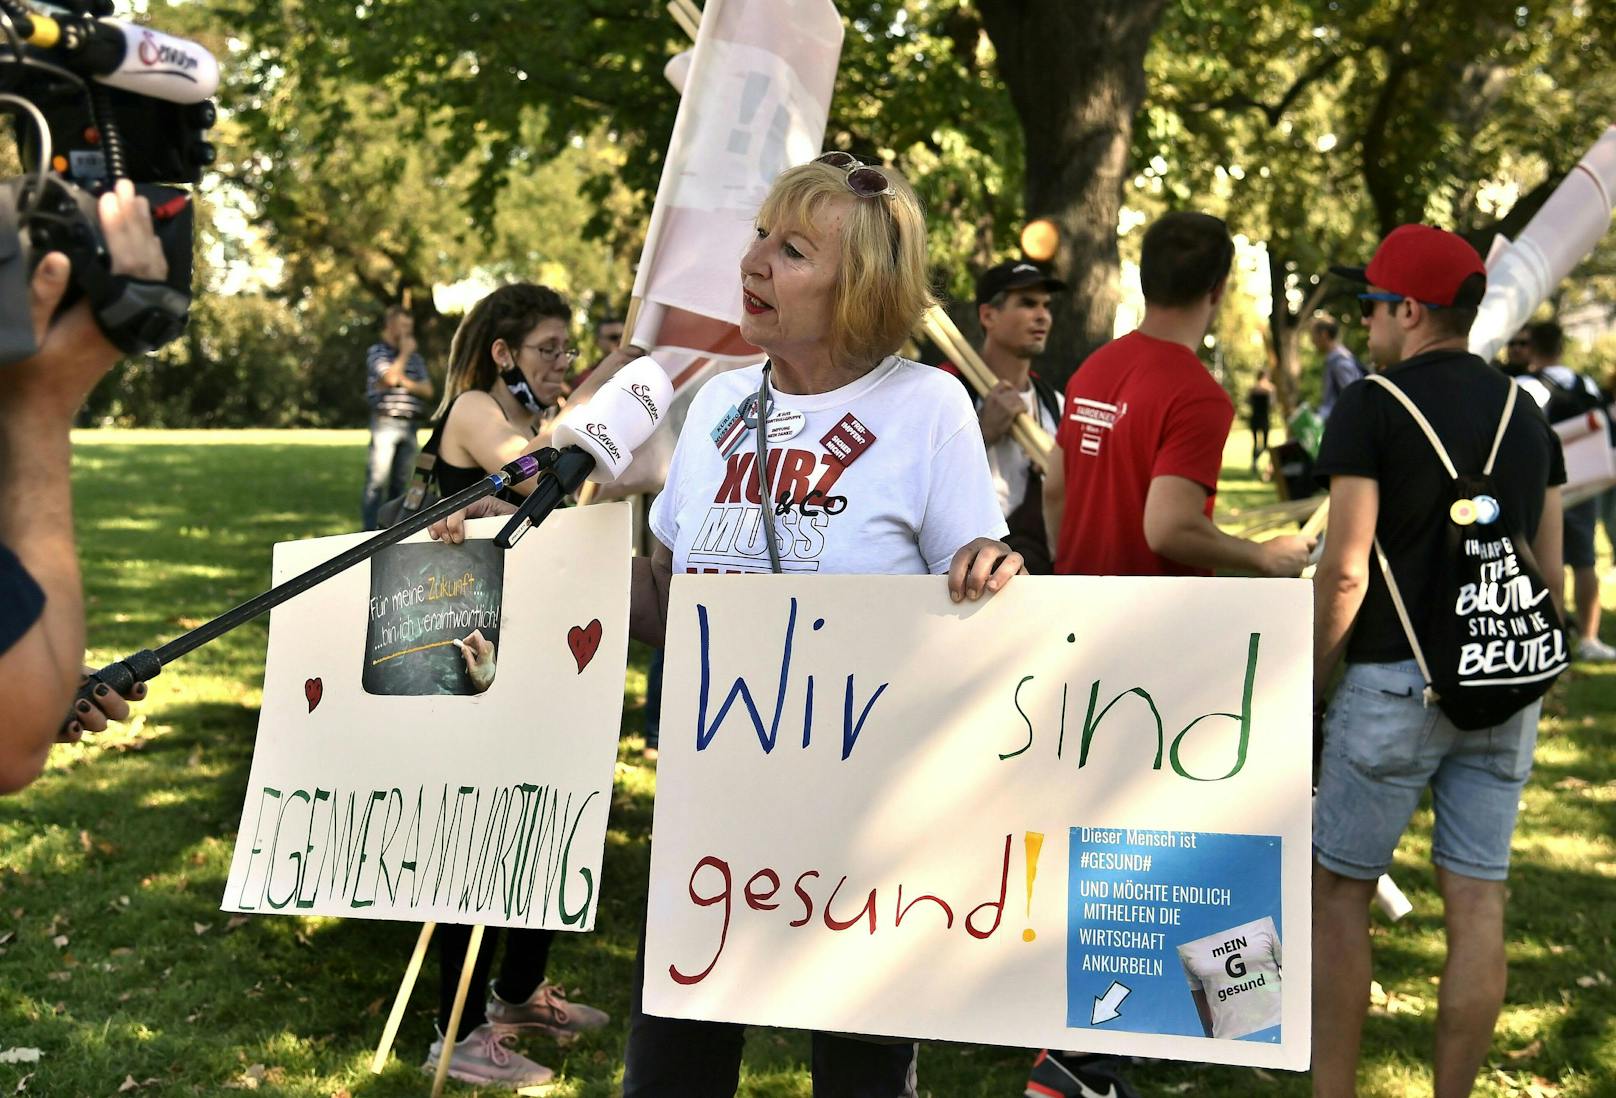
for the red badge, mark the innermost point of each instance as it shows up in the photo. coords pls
(847, 440)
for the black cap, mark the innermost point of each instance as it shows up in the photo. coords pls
(1016, 274)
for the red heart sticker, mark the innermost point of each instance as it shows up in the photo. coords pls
(312, 689)
(584, 640)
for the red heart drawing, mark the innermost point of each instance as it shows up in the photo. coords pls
(584, 640)
(312, 689)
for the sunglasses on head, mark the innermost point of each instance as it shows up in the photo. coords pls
(1367, 302)
(862, 180)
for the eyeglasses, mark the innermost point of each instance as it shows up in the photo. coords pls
(862, 180)
(551, 352)
(1520, 343)
(1367, 302)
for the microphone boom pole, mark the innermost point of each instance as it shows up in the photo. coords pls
(147, 664)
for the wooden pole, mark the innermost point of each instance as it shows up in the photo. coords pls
(411, 972)
(459, 1008)
(1024, 429)
(682, 17)
(1315, 525)
(631, 318)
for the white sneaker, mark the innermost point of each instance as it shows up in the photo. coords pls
(1594, 650)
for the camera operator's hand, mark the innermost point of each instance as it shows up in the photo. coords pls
(108, 705)
(73, 354)
(126, 222)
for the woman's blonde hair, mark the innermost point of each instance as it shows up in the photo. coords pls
(883, 288)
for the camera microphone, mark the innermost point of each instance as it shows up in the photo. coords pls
(596, 440)
(129, 57)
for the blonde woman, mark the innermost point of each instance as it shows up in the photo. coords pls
(880, 470)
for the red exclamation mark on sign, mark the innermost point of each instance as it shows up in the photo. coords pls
(1035, 844)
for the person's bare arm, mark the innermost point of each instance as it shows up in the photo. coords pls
(1204, 1009)
(479, 430)
(38, 398)
(1177, 527)
(648, 596)
(1548, 550)
(422, 388)
(1342, 578)
(1054, 499)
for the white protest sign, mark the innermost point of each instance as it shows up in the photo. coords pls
(384, 785)
(1075, 815)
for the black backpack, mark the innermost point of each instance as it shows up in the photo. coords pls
(1492, 642)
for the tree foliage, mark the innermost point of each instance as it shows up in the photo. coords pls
(379, 149)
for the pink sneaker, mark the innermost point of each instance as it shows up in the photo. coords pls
(486, 1056)
(547, 1011)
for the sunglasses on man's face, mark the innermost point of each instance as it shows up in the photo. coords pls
(1520, 343)
(1367, 302)
(862, 180)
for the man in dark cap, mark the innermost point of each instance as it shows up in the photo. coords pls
(1012, 304)
(1383, 744)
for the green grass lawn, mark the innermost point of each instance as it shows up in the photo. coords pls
(117, 964)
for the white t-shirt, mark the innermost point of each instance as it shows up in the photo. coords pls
(884, 476)
(1008, 463)
(1239, 970)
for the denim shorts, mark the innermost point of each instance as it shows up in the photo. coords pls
(1383, 746)
(1578, 546)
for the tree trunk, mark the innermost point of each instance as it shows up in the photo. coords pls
(1285, 332)
(1282, 335)
(1075, 73)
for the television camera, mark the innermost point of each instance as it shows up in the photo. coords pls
(98, 100)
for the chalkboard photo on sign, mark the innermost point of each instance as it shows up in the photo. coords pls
(424, 599)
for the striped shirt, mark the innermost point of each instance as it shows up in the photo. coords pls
(395, 401)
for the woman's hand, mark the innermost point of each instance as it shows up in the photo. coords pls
(105, 704)
(453, 528)
(603, 372)
(983, 565)
(478, 652)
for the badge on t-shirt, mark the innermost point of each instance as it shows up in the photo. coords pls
(785, 424)
(848, 440)
(729, 432)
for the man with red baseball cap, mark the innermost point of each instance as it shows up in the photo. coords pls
(1382, 743)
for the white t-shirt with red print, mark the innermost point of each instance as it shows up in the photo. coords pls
(884, 476)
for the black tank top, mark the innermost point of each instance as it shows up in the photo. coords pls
(451, 478)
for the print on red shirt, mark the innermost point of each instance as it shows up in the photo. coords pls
(1137, 409)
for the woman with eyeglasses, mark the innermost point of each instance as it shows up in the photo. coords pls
(507, 366)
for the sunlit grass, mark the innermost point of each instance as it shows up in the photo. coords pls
(123, 849)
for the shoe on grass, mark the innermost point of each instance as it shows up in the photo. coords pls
(1071, 1075)
(1594, 650)
(545, 1011)
(485, 1057)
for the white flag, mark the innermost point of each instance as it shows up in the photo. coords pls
(754, 103)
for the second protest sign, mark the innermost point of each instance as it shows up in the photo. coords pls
(1074, 815)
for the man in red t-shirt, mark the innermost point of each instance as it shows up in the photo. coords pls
(1132, 482)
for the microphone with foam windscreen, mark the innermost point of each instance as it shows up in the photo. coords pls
(596, 441)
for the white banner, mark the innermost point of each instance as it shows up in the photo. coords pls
(1520, 275)
(1075, 815)
(389, 782)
